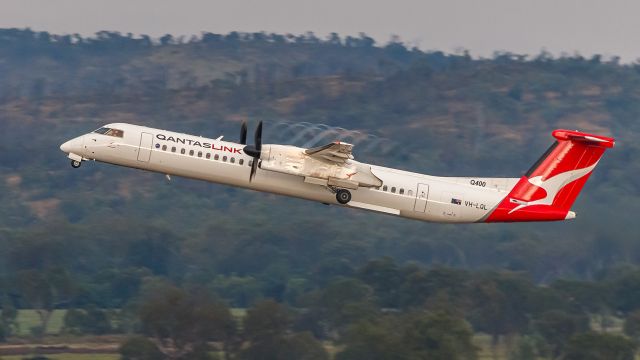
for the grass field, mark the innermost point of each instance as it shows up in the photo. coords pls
(29, 318)
(483, 342)
(239, 313)
(70, 357)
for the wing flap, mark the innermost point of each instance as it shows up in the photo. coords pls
(337, 152)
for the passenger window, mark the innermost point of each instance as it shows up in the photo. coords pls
(241, 161)
(393, 189)
(233, 160)
(401, 191)
(199, 153)
(385, 188)
(216, 157)
(224, 158)
(173, 149)
(208, 156)
(191, 152)
(410, 192)
(164, 147)
(250, 162)
(182, 151)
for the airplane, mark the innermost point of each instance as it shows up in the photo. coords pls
(330, 175)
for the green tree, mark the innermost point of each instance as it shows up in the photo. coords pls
(302, 346)
(599, 346)
(183, 323)
(266, 321)
(92, 320)
(155, 249)
(8, 315)
(43, 291)
(524, 349)
(385, 278)
(625, 291)
(588, 297)
(420, 285)
(500, 304)
(439, 336)
(632, 325)
(374, 340)
(266, 329)
(343, 302)
(296, 288)
(140, 348)
(239, 291)
(557, 327)
(117, 286)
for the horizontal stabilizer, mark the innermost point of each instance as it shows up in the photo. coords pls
(591, 139)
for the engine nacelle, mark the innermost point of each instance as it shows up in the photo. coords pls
(293, 160)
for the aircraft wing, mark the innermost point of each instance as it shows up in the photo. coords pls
(329, 165)
(336, 152)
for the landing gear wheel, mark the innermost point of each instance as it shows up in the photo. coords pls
(75, 164)
(343, 196)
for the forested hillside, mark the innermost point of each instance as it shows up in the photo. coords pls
(111, 228)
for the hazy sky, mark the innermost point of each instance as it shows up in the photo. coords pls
(609, 27)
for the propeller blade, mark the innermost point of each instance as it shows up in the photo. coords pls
(258, 139)
(243, 133)
(251, 151)
(254, 168)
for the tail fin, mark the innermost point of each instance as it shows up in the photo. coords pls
(547, 191)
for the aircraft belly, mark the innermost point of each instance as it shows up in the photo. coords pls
(238, 175)
(446, 202)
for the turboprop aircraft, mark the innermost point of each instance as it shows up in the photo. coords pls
(330, 175)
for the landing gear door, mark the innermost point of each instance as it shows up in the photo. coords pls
(144, 151)
(421, 198)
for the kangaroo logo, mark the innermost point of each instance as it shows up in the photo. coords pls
(553, 185)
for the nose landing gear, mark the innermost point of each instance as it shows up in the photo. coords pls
(75, 164)
(343, 196)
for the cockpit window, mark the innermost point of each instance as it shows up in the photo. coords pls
(110, 132)
(115, 132)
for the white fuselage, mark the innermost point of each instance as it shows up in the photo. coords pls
(406, 194)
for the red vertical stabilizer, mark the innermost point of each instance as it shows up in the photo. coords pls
(547, 191)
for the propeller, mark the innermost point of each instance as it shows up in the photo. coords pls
(243, 133)
(254, 150)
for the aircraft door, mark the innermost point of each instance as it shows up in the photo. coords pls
(144, 151)
(421, 198)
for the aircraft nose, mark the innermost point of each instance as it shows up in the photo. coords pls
(72, 146)
(66, 147)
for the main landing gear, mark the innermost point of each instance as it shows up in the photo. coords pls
(343, 196)
(75, 164)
